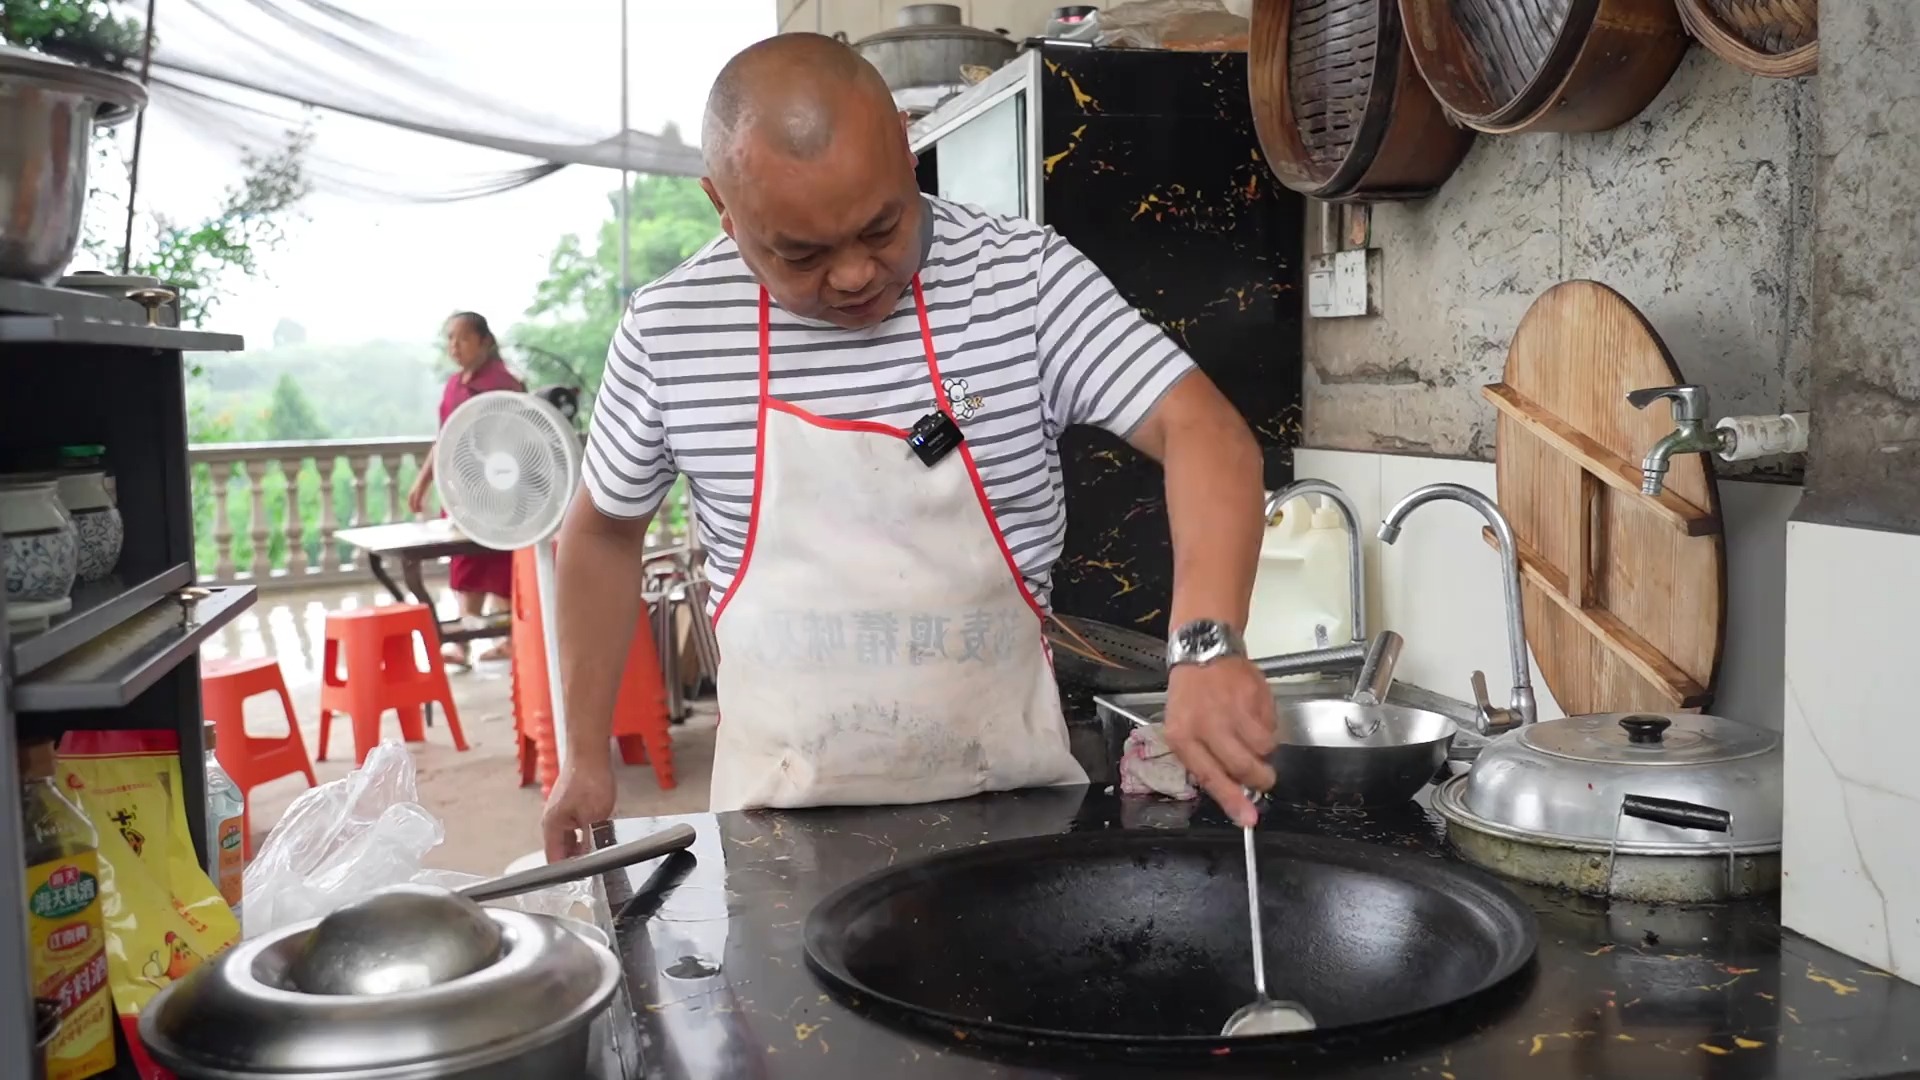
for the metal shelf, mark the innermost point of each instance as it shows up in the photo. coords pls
(53, 330)
(113, 668)
(97, 608)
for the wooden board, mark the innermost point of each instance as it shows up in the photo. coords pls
(1625, 595)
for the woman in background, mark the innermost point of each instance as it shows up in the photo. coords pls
(471, 344)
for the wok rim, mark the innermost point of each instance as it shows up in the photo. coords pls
(1517, 945)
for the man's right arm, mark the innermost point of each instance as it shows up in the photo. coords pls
(627, 472)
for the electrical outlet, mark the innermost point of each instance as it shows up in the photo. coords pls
(1344, 285)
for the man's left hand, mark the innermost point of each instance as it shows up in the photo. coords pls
(1220, 723)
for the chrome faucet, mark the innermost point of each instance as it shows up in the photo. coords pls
(1356, 564)
(1690, 432)
(1520, 705)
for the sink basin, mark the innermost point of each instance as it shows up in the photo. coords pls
(1136, 941)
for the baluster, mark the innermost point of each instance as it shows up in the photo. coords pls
(329, 553)
(357, 466)
(392, 463)
(221, 473)
(262, 555)
(296, 528)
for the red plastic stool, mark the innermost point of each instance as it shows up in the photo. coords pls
(225, 686)
(383, 673)
(639, 713)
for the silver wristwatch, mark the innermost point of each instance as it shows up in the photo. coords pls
(1203, 641)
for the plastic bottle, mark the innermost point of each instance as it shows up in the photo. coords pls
(1301, 589)
(67, 943)
(226, 827)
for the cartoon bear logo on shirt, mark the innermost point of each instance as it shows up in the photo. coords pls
(965, 405)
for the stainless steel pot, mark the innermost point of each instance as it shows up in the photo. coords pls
(529, 1014)
(1680, 807)
(48, 109)
(928, 48)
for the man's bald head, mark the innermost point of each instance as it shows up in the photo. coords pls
(807, 162)
(791, 93)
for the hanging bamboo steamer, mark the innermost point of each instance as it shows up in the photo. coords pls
(1777, 39)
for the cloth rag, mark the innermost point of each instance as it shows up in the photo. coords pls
(1148, 766)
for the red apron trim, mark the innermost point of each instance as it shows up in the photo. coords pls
(767, 401)
(868, 426)
(966, 455)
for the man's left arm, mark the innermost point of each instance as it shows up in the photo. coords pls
(1103, 364)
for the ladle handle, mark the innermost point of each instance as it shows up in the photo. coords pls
(1253, 911)
(592, 864)
(1376, 671)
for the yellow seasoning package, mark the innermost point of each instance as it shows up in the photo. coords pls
(66, 950)
(162, 914)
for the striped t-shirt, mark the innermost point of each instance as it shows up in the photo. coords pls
(1031, 338)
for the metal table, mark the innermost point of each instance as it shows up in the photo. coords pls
(412, 543)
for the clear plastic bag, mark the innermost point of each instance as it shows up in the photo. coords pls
(354, 836)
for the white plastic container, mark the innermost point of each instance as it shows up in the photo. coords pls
(1300, 595)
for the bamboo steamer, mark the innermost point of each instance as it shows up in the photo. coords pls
(1340, 110)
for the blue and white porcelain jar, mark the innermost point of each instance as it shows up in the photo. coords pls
(42, 546)
(86, 497)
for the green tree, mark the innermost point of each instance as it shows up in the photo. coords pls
(290, 416)
(577, 308)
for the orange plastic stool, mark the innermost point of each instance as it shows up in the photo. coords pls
(383, 673)
(225, 686)
(639, 713)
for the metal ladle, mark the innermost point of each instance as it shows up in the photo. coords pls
(1263, 1015)
(411, 937)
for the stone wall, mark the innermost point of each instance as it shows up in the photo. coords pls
(1699, 211)
(1864, 468)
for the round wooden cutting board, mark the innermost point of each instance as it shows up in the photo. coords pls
(1625, 595)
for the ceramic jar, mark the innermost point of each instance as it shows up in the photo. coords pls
(42, 544)
(87, 498)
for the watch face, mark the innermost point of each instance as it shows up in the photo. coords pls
(1199, 641)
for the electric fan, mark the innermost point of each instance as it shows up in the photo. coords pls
(505, 466)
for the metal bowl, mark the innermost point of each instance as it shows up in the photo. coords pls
(241, 1017)
(1321, 762)
(48, 109)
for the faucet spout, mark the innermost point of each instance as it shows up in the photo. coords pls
(1520, 703)
(1356, 565)
(1690, 434)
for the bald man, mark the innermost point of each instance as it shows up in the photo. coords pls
(864, 387)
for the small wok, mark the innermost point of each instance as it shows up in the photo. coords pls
(1134, 942)
(1322, 762)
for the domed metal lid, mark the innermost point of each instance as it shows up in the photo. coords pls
(119, 96)
(1565, 782)
(236, 1018)
(931, 21)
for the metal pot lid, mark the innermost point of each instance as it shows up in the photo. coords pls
(236, 1018)
(921, 22)
(119, 96)
(1567, 781)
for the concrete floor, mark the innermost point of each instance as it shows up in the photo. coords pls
(489, 819)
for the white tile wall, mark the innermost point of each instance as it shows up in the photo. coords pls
(1852, 862)
(1439, 586)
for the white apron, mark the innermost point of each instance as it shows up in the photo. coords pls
(878, 644)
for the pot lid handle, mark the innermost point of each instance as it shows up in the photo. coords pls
(1645, 729)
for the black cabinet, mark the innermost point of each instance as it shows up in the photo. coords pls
(1146, 161)
(77, 369)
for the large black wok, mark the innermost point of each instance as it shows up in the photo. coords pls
(1136, 941)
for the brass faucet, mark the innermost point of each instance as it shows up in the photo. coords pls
(1690, 434)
